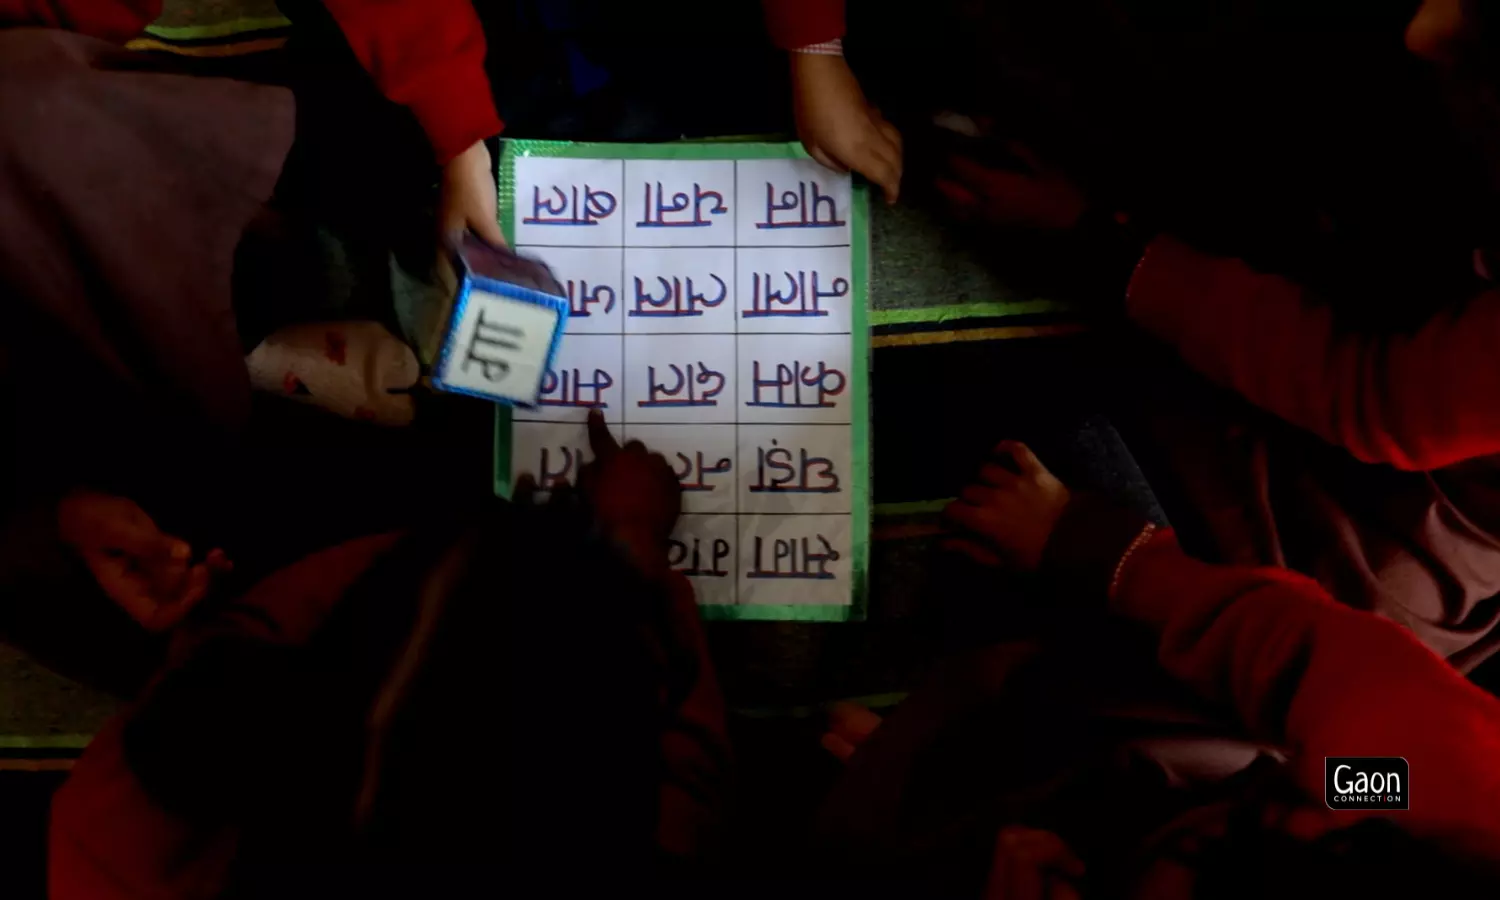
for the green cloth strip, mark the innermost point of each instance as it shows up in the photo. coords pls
(217, 29)
(754, 612)
(44, 741)
(912, 507)
(985, 310)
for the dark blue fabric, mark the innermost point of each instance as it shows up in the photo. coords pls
(652, 70)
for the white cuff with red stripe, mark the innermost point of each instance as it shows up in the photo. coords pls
(834, 47)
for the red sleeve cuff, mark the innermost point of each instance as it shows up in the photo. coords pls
(457, 113)
(1169, 275)
(1086, 547)
(800, 23)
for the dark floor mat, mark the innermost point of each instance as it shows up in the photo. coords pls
(24, 799)
(941, 408)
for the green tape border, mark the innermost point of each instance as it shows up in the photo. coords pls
(862, 357)
(777, 613)
(859, 237)
(13, 742)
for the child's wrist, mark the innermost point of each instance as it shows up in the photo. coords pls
(800, 63)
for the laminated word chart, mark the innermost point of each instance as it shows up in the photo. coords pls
(717, 298)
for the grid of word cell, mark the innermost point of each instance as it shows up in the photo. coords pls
(711, 319)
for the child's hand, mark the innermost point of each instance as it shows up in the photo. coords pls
(634, 493)
(143, 570)
(1041, 197)
(468, 201)
(1008, 515)
(838, 126)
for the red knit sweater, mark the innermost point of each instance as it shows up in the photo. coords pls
(799, 23)
(427, 55)
(1301, 670)
(110, 840)
(1322, 678)
(1418, 402)
(1326, 680)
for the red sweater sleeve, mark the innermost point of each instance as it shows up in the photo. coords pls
(108, 839)
(1419, 401)
(427, 55)
(111, 20)
(1325, 680)
(800, 23)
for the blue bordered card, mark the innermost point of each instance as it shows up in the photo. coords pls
(508, 320)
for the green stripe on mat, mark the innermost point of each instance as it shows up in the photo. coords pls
(871, 701)
(754, 612)
(985, 310)
(217, 29)
(44, 741)
(912, 507)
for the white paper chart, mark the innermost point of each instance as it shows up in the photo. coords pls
(717, 297)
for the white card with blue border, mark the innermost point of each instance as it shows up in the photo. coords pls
(509, 315)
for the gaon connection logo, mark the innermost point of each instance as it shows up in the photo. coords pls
(1366, 782)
